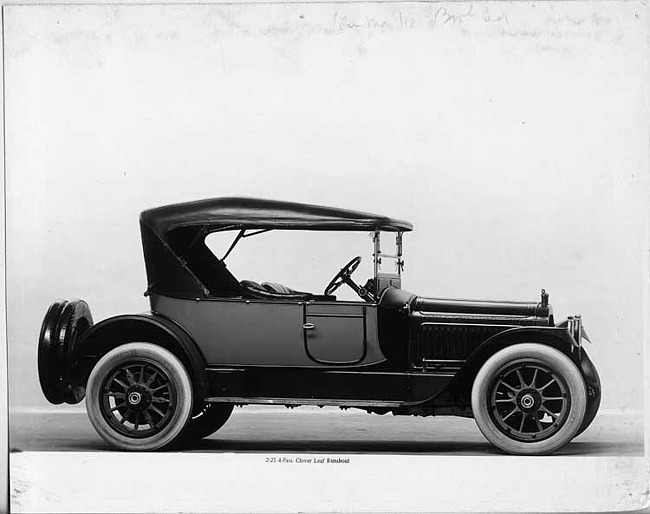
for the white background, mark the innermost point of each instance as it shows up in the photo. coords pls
(513, 136)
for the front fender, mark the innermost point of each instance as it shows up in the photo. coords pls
(147, 327)
(460, 387)
(592, 382)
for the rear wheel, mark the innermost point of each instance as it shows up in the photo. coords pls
(139, 397)
(529, 399)
(210, 419)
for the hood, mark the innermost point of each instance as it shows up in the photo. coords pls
(485, 311)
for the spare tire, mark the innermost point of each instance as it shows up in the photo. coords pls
(63, 325)
(49, 365)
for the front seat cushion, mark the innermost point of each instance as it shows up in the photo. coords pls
(275, 287)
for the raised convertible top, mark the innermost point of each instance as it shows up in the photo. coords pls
(179, 263)
(256, 213)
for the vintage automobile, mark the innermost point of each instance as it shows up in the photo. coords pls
(212, 341)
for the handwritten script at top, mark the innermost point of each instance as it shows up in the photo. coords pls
(434, 17)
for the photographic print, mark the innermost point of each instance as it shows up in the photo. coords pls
(330, 256)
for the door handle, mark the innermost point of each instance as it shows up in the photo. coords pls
(309, 326)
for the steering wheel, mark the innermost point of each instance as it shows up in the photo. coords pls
(344, 276)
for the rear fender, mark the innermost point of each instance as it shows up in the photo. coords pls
(149, 328)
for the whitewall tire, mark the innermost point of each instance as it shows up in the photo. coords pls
(139, 397)
(529, 399)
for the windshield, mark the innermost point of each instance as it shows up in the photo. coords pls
(388, 263)
(388, 254)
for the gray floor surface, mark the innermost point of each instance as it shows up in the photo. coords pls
(327, 430)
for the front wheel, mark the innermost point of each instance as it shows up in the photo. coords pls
(139, 397)
(529, 399)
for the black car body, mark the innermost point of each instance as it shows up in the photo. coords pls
(526, 378)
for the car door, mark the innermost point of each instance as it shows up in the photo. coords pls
(240, 332)
(335, 332)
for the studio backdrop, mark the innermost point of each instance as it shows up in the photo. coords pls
(511, 136)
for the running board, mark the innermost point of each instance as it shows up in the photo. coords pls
(303, 401)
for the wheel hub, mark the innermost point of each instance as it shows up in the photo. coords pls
(529, 400)
(138, 397)
(526, 401)
(134, 398)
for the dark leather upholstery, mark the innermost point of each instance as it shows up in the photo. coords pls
(276, 287)
(251, 284)
(272, 291)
